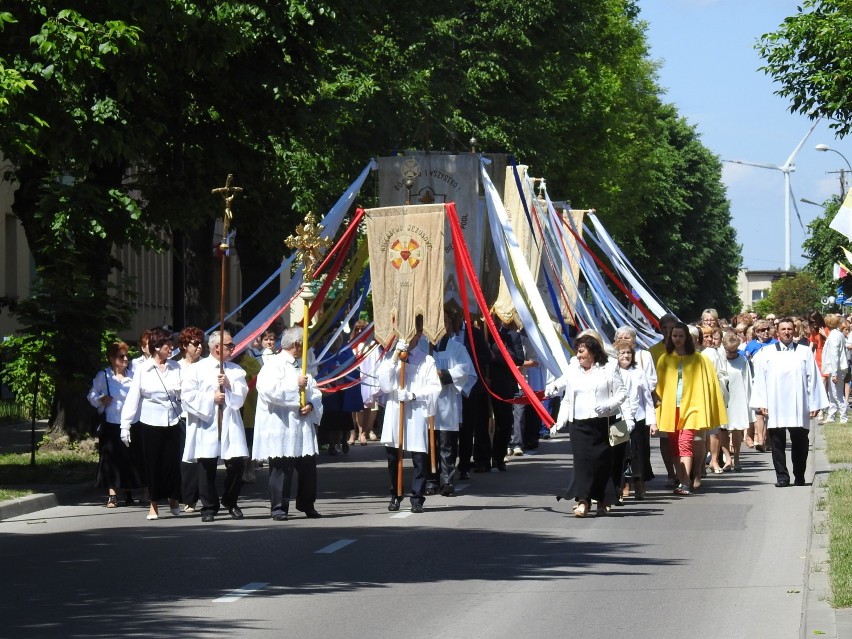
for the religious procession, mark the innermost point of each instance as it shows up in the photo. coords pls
(464, 322)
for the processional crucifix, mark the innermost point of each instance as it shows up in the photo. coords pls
(310, 245)
(228, 193)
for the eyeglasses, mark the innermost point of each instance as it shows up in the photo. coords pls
(762, 330)
(122, 356)
(230, 346)
(196, 343)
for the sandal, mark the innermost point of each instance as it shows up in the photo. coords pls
(682, 490)
(362, 439)
(581, 509)
(112, 501)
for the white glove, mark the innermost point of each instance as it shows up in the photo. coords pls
(403, 395)
(125, 436)
(401, 345)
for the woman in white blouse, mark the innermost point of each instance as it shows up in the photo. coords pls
(592, 400)
(108, 392)
(641, 404)
(154, 401)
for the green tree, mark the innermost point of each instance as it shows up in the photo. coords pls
(794, 295)
(808, 57)
(824, 248)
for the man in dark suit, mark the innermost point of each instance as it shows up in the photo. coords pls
(474, 438)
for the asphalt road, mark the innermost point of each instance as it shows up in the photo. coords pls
(501, 559)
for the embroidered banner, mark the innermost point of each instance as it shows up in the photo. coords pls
(407, 267)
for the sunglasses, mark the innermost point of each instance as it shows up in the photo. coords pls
(230, 346)
(196, 343)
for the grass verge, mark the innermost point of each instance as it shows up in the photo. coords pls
(18, 477)
(840, 537)
(838, 440)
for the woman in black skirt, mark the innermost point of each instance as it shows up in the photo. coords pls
(109, 390)
(592, 399)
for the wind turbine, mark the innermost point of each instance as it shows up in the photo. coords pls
(787, 168)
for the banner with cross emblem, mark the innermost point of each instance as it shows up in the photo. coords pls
(406, 246)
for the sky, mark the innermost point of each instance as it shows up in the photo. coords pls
(710, 71)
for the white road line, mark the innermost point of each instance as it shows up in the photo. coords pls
(401, 515)
(239, 593)
(337, 545)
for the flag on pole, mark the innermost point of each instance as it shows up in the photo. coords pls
(406, 246)
(842, 222)
(840, 271)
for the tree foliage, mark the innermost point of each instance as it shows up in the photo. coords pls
(808, 56)
(824, 248)
(123, 116)
(794, 296)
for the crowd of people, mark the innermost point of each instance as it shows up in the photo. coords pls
(705, 390)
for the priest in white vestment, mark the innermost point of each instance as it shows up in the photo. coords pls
(201, 397)
(788, 391)
(457, 376)
(418, 397)
(285, 432)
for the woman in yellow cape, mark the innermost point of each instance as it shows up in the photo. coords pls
(690, 400)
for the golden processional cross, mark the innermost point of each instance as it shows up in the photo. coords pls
(311, 247)
(228, 193)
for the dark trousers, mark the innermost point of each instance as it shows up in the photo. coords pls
(448, 446)
(189, 474)
(475, 417)
(418, 481)
(206, 480)
(503, 420)
(532, 428)
(161, 447)
(466, 444)
(281, 477)
(799, 445)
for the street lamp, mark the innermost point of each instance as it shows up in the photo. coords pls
(825, 147)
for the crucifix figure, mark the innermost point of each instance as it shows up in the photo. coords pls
(311, 246)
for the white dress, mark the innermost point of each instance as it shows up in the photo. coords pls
(456, 361)
(200, 382)
(279, 429)
(788, 384)
(421, 379)
(738, 392)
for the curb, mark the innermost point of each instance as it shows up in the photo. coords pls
(38, 501)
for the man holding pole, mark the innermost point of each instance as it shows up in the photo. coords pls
(410, 382)
(289, 409)
(203, 400)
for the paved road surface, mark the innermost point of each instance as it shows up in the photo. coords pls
(501, 559)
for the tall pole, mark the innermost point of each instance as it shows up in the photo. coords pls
(786, 221)
(310, 246)
(228, 193)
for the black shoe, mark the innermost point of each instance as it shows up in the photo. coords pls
(345, 448)
(417, 508)
(312, 514)
(280, 517)
(782, 483)
(464, 475)
(332, 450)
(235, 512)
(393, 506)
(502, 468)
(448, 490)
(128, 498)
(207, 517)
(799, 482)
(431, 489)
(482, 469)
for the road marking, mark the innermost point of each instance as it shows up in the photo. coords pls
(337, 545)
(239, 593)
(401, 515)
